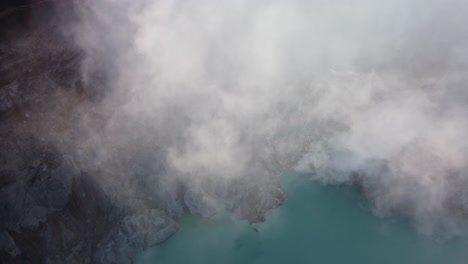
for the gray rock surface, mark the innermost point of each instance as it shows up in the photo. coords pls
(133, 234)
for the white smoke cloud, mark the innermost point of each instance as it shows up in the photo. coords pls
(368, 92)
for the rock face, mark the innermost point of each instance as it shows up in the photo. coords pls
(133, 234)
(60, 207)
(51, 210)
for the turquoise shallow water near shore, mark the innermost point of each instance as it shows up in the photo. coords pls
(319, 224)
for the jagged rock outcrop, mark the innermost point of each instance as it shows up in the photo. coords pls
(133, 234)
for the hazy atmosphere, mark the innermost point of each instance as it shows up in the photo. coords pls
(366, 92)
(175, 107)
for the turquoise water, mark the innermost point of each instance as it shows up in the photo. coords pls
(319, 224)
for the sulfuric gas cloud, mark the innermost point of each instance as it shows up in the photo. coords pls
(220, 93)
